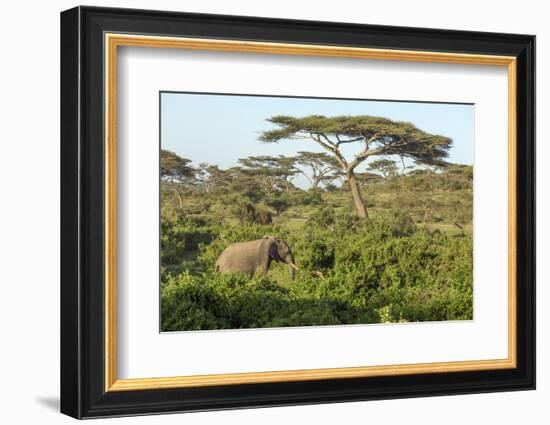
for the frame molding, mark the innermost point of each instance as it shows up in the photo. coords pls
(89, 41)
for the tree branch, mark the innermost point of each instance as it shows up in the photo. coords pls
(360, 157)
(327, 140)
(341, 142)
(339, 157)
(317, 138)
(306, 176)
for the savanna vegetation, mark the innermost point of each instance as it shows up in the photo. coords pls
(389, 243)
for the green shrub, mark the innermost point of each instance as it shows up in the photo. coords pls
(351, 271)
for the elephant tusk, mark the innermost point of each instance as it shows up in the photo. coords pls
(294, 267)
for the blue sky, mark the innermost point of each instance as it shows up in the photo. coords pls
(220, 129)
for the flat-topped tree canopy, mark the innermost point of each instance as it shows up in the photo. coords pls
(386, 167)
(174, 166)
(321, 167)
(279, 168)
(376, 136)
(175, 170)
(269, 164)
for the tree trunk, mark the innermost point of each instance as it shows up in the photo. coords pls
(180, 198)
(315, 184)
(356, 194)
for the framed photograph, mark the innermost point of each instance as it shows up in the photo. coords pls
(261, 212)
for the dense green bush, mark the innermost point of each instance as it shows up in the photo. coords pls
(411, 261)
(180, 238)
(383, 270)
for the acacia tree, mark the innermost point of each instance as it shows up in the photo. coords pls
(246, 183)
(286, 171)
(210, 176)
(321, 167)
(367, 177)
(376, 136)
(175, 170)
(278, 171)
(386, 167)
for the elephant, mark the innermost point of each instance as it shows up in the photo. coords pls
(255, 256)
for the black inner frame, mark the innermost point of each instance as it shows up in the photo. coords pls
(82, 212)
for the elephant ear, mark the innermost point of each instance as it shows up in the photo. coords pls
(273, 251)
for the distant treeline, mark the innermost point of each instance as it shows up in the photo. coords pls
(261, 187)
